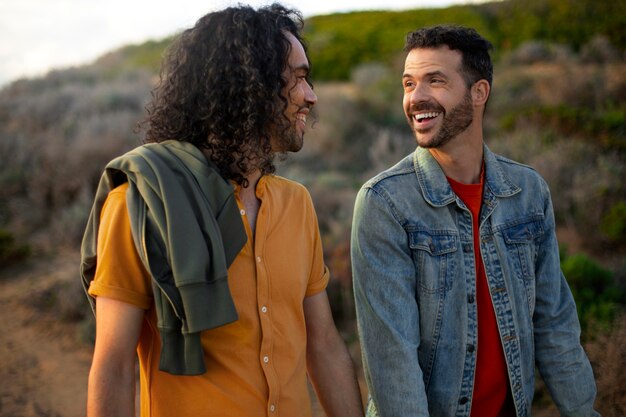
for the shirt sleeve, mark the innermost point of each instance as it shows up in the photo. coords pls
(120, 274)
(319, 271)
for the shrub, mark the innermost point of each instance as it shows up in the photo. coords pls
(614, 223)
(597, 296)
(599, 50)
(532, 52)
(608, 357)
(10, 251)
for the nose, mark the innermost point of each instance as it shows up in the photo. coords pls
(419, 94)
(309, 95)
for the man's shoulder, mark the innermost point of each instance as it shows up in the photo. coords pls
(512, 164)
(518, 170)
(512, 177)
(405, 167)
(286, 187)
(280, 182)
(120, 189)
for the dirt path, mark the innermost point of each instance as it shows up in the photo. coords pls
(43, 366)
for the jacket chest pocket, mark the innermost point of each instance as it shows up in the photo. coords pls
(433, 255)
(520, 242)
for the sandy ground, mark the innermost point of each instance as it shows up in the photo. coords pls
(43, 366)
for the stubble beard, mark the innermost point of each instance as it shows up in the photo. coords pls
(287, 138)
(292, 141)
(455, 122)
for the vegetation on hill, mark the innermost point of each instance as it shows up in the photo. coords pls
(339, 42)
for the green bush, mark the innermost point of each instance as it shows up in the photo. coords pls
(340, 42)
(614, 223)
(602, 126)
(597, 295)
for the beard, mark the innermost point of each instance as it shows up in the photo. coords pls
(290, 140)
(289, 136)
(455, 122)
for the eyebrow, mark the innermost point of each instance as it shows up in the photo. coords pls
(427, 75)
(301, 67)
(436, 73)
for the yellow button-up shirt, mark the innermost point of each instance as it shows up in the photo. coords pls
(256, 366)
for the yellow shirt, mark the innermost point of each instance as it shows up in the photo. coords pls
(256, 366)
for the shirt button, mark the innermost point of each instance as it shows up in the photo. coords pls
(272, 408)
(242, 211)
(470, 348)
(266, 359)
(258, 259)
(264, 309)
(470, 298)
(463, 400)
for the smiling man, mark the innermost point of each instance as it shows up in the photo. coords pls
(198, 258)
(458, 288)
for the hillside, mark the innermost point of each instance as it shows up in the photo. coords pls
(340, 42)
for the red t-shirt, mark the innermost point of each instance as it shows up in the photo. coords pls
(492, 395)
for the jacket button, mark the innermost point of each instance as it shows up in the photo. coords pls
(467, 247)
(470, 348)
(470, 298)
(463, 400)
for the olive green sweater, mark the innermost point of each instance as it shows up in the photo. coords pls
(187, 230)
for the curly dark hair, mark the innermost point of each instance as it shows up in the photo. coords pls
(220, 87)
(476, 63)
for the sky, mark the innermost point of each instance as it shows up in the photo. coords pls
(39, 35)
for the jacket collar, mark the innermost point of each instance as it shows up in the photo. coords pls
(437, 190)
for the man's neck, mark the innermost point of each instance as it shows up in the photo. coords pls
(249, 200)
(253, 179)
(462, 159)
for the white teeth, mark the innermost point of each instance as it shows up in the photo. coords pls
(422, 116)
(302, 118)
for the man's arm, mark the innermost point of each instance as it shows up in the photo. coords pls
(328, 362)
(111, 389)
(560, 358)
(384, 279)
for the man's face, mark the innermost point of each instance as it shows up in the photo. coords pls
(437, 102)
(300, 98)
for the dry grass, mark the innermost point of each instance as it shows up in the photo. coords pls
(608, 357)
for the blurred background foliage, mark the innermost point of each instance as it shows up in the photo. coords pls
(558, 103)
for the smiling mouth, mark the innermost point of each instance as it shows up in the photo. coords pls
(424, 117)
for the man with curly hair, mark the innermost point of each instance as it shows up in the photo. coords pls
(200, 260)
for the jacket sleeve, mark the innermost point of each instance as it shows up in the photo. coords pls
(560, 357)
(387, 313)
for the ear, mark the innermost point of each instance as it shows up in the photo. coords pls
(480, 92)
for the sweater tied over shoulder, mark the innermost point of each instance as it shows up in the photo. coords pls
(187, 229)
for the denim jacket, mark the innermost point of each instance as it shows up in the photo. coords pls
(414, 278)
